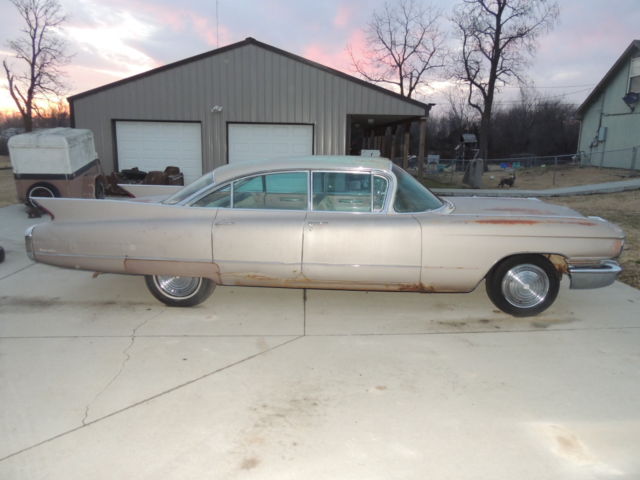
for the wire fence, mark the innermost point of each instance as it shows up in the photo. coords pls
(624, 158)
(507, 163)
(539, 172)
(621, 158)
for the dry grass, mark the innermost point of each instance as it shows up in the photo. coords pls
(8, 195)
(622, 209)
(540, 178)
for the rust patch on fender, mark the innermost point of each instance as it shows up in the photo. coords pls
(507, 221)
(559, 262)
(581, 222)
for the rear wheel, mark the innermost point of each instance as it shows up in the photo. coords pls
(524, 285)
(179, 291)
(42, 190)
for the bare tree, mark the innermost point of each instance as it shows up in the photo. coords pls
(37, 75)
(460, 113)
(497, 38)
(404, 43)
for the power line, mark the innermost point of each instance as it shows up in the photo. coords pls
(534, 87)
(552, 97)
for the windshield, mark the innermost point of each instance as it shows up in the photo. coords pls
(411, 195)
(189, 190)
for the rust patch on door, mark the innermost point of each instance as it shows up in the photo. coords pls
(413, 287)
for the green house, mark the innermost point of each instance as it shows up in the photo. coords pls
(610, 116)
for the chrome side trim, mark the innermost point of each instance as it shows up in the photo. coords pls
(122, 257)
(28, 242)
(594, 276)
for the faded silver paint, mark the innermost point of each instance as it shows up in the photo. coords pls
(450, 249)
(255, 83)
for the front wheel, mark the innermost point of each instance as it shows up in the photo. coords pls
(523, 286)
(179, 291)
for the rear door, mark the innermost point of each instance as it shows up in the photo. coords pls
(350, 243)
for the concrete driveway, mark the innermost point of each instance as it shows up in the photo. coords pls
(100, 381)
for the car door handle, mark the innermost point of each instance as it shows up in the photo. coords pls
(225, 222)
(314, 223)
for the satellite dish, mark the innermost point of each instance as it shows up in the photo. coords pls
(631, 99)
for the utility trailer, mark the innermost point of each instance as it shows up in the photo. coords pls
(56, 162)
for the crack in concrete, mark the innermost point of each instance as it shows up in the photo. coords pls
(17, 271)
(123, 364)
(151, 398)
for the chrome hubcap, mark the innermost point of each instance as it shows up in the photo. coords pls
(525, 286)
(178, 287)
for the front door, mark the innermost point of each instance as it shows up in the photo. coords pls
(350, 243)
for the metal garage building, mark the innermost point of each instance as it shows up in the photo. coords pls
(243, 101)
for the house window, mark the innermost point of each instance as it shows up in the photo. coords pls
(634, 75)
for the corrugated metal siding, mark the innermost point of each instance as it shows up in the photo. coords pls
(252, 84)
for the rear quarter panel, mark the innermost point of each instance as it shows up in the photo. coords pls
(125, 237)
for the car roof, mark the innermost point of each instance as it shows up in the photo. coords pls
(311, 162)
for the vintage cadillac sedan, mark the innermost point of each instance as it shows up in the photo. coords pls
(348, 223)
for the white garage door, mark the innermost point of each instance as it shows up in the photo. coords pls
(156, 145)
(256, 141)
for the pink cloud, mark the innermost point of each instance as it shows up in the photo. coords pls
(337, 58)
(207, 31)
(343, 16)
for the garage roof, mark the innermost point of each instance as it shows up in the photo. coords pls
(245, 42)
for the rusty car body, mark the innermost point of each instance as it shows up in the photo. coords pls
(331, 223)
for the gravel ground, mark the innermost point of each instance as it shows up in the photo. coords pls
(7, 185)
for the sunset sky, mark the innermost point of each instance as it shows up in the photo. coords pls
(114, 39)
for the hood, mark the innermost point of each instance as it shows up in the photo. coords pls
(509, 207)
(517, 216)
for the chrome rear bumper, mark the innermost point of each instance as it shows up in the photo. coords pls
(594, 276)
(28, 242)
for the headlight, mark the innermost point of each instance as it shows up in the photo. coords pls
(28, 242)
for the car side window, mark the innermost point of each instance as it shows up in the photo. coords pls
(380, 186)
(277, 191)
(347, 192)
(219, 198)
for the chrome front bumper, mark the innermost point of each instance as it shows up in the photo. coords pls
(594, 276)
